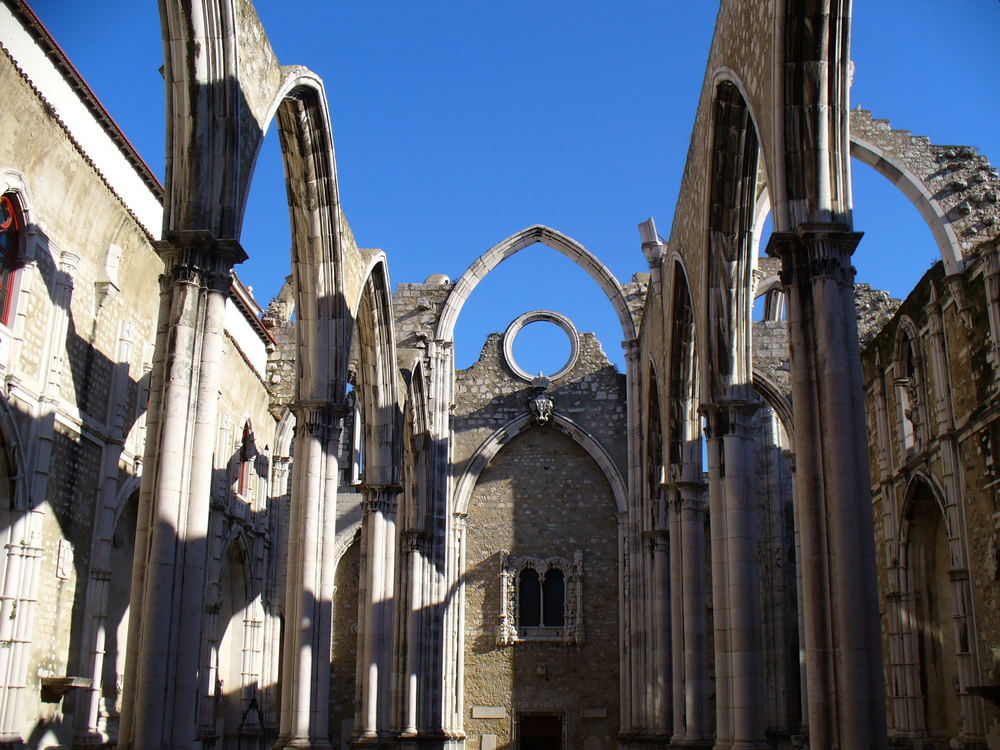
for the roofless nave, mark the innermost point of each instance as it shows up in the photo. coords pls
(302, 527)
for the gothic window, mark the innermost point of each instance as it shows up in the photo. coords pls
(248, 454)
(908, 394)
(11, 230)
(541, 599)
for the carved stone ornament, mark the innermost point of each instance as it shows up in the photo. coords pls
(540, 404)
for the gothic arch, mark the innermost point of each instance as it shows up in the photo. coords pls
(377, 377)
(732, 197)
(682, 383)
(317, 241)
(466, 483)
(773, 396)
(515, 243)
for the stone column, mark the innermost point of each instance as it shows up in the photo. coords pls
(733, 427)
(846, 705)
(720, 606)
(375, 639)
(660, 626)
(305, 689)
(168, 585)
(692, 584)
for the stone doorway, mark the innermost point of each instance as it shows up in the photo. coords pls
(539, 731)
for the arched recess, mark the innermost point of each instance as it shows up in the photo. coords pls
(729, 261)
(416, 453)
(377, 384)
(684, 438)
(772, 395)
(516, 242)
(14, 468)
(919, 195)
(234, 667)
(492, 445)
(935, 630)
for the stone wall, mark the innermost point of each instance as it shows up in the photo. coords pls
(542, 496)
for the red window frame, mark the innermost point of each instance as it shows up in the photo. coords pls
(11, 229)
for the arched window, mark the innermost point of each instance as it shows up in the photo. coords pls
(553, 599)
(908, 394)
(538, 602)
(11, 231)
(529, 599)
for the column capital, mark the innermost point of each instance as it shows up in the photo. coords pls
(198, 257)
(815, 250)
(316, 417)
(728, 418)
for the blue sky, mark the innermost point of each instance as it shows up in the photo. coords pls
(458, 124)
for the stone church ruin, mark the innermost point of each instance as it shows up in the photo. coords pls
(301, 526)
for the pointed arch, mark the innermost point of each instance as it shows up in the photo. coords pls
(569, 247)
(373, 339)
(491, 446)
(732, 197)
(317, 235)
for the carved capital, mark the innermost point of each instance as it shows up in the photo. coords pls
(322, 419)
(814, 251)
(196, 257)
(728, 418)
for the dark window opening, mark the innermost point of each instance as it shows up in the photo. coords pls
(529, 611)
(553, 598)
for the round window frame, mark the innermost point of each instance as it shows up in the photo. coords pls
(536, 316)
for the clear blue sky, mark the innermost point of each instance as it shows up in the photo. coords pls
(457, 124)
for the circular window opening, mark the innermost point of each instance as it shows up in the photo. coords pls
(541, 342)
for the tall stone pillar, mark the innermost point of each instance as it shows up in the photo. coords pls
(168, 584)
(720, 605)
(692, 585)
(731, 425)
(845, 698)
(375, 621)
(305, 688)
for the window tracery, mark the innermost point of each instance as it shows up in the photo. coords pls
(541, 599)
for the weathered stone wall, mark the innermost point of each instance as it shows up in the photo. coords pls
(542, 496)
(952, 405)
(487, 396)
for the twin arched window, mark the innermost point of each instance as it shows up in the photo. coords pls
(541, 599)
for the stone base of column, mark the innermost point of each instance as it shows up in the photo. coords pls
(705, 742)
(303, 743)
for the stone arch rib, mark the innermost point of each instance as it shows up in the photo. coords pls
(317, 226)
(558, 241)
(491, 446)
(916, 191)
